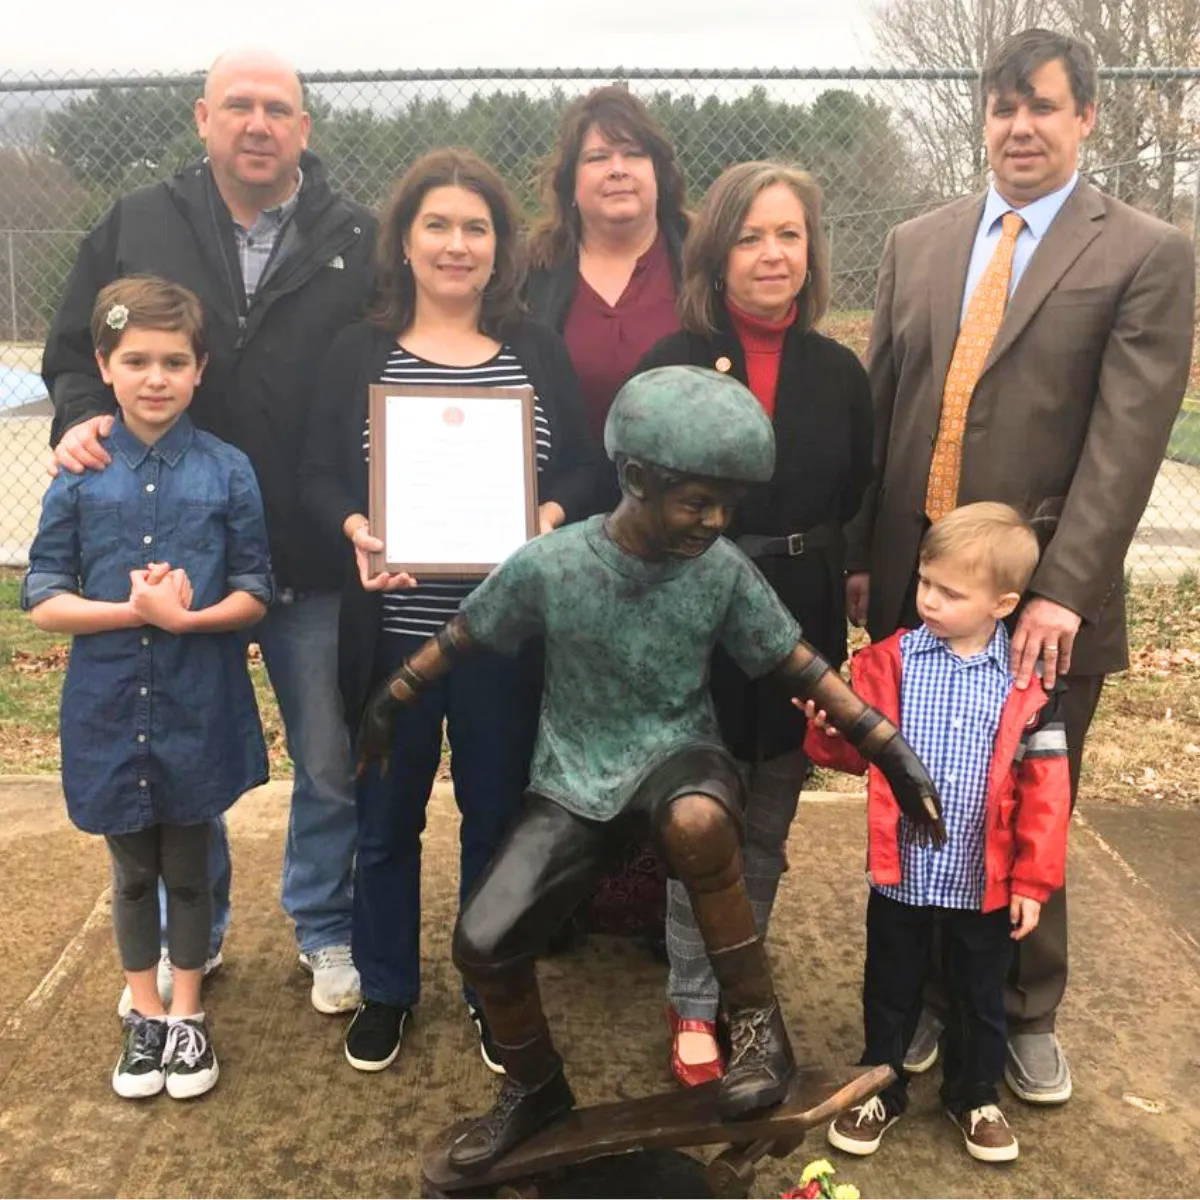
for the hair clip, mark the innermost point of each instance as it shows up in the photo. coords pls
(117, 318)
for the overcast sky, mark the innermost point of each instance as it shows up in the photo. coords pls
(144, 36)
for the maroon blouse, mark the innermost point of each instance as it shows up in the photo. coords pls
(607, 341)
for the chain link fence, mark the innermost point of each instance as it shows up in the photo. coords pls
(885, 145)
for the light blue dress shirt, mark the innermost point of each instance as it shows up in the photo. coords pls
(1038, 218)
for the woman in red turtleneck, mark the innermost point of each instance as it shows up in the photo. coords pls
(755, 283)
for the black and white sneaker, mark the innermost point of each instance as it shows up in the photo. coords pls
(189, 1060)
(487, 1047)
(374, 1036)
(139, 1070)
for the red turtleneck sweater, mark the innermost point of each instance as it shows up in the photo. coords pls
(762, 342)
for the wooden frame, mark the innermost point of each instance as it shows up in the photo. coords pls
(467, 398)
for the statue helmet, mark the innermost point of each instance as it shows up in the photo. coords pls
(692, 421)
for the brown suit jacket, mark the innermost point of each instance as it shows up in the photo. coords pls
(1072, 412)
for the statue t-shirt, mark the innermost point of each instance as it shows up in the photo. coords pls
(628, 644)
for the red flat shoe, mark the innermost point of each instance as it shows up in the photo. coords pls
(693, 1074)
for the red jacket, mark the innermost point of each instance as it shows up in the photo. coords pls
(1029, 786)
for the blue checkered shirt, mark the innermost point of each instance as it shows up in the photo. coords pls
(256, 245)
(950, 713)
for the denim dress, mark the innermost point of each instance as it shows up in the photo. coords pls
(156, 728)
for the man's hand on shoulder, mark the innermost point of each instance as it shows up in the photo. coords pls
(80, 449)
(1045, 630)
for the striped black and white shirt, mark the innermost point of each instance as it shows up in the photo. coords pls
(423, 610)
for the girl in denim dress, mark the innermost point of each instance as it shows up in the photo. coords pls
(154, 565)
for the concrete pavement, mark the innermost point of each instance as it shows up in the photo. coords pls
(291, 1118)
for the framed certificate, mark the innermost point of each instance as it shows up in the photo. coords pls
(453, 477)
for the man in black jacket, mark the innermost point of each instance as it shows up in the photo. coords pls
(281, 264)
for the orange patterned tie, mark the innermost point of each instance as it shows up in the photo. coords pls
(984, 314)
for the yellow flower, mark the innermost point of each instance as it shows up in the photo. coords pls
(820, 1167)
(845, 1191)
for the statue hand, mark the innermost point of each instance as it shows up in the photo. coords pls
(376, 730)
(913, 789)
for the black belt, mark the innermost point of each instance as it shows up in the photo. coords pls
(791, 545)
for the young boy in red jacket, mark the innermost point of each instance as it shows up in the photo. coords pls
(998, 756)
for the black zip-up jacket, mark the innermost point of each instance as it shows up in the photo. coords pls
(264, 356)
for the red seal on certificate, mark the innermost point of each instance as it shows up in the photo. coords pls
(453, 415)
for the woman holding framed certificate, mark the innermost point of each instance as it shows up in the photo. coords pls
(481, 414)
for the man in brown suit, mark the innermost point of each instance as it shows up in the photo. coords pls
(1065, 414)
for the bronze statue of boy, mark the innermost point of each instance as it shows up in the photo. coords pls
(631, 606)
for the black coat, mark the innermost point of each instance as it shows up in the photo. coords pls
(263, 357)
(334, 470)
(822, 467)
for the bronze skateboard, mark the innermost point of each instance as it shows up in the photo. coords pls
(672, 1120)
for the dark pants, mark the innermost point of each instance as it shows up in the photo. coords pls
(1038, 977)
(975, 956)
(552, 858)
(489, 727)
(178, 855)
(549, 864)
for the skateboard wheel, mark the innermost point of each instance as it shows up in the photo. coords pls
(731, 1173)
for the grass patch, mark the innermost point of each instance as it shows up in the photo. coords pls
(1144, 746)
(1184, 445)
(851, 327)
(32, 664)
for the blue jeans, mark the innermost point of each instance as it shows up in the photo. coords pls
(299, 638)
(490, 728)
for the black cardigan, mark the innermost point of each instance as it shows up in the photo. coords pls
(822, 468)
(334, 472)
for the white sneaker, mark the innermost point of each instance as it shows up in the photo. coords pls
(189, 1063)
(336, 987)
(166, 984)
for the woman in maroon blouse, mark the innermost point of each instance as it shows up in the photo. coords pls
(605, 266)
(605, 257)
(755, 286)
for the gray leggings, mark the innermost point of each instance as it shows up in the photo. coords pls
(772, 793)
(178, 854)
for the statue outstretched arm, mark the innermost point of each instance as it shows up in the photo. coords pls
(428, 663)
(809, 677)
